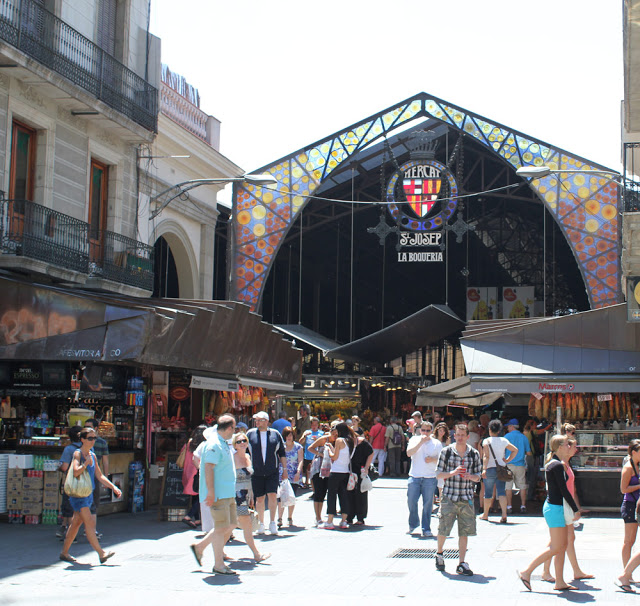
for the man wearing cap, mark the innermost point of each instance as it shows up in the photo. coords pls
(417, 423)
(518, 465)
(267, 450)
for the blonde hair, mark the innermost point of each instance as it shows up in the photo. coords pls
(567, 427)
(554, 444)
(235, 437)
(473, 425)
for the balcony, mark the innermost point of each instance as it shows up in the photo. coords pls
(39, 34)
(182, 111)
(33, 231)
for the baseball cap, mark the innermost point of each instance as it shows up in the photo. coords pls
(261, 415)
(514, 422)
(241, 425)
(416, 413)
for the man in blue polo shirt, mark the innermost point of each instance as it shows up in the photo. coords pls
(518, 465)
(218, 491)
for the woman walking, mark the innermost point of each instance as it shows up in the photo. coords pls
(630, 487)
(553, 510)
(578, 575)
(320, 478)
(294, 455)
(441, 432)
(85, 460)
(340, 455)
(358, 500)
(494, 449)
(244, 494)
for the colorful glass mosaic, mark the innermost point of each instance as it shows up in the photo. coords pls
(584, 205)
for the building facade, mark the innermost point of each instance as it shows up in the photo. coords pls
(78, 96)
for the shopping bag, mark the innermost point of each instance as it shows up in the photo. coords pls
(365, 481)
(286, 495)
(325, 468)
(79, 487)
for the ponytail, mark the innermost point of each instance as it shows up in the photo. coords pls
(554, 443)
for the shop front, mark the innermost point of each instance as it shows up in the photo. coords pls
(581, 369)
(135, 365)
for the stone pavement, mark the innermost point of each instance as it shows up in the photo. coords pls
(153, 563)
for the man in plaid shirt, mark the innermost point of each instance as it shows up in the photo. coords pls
(459, 465)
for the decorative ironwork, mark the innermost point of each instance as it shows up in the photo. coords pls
(123, 260)
(383, 229)
(34, 231)
(29, 27)
(37, 232)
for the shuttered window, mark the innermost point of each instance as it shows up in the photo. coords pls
(107, 26)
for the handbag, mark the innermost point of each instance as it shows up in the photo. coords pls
(636, 495)
(181, 457)
(373, 473)
(568, 513)
(353, 478)
(503, 473)
(78, 487)
(254, 520)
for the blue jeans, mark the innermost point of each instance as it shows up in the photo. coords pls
(417, 487)
(492, 480)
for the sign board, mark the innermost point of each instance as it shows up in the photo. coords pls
(481, 302)
(213, 384)
(172, 495)
(604, 397)
(517, 302)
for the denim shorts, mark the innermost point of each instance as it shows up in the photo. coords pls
(492, 480)
(553, 515)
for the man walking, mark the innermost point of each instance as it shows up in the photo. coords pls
(518, 465)
(218, 492)
(267, 449)
(304, 422)
(281, 422)
(394, 442)
(423, 450)
(376, 437)
(459, 466)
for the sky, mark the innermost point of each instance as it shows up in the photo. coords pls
(281, 74)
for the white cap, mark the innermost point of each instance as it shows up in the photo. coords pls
(261, 415)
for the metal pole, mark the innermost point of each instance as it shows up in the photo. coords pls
(544, 262)
(352, 222)
(300, 276)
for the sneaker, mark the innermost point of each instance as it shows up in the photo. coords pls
(427, 534)
(344, 524)
(326, 526)
(523, 509)
(509, 509)
(463, 568)
(261, 528)
(411, 530)
(273, 528)
(98, 535)
(61, 532)
(439, 562)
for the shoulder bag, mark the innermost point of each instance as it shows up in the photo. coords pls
(353, 478)
(503, 473)
(636, 495)
(78, 487)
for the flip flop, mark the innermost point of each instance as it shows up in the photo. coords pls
(625, 588)
(104, 558)
(565, 588)
(67, 558)
(524, 581)
(584, 577)
(196, 555)
(263, 557)
(225, 571)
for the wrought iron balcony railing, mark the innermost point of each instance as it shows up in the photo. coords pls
(38, 33)
(34, 231)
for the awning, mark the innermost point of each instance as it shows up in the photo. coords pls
(457, 391)
(429, 325)
(39, 322)
(593, 351)
(308, 336)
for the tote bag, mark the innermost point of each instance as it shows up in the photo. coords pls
(78, 487)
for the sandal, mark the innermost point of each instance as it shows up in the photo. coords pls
(279, 522)
(225, 571)
(263, 557)
(196, 555)
(503, 520)
(524, 581)
(106, 556)
(290, 520)
(65, 557)
(625, 588)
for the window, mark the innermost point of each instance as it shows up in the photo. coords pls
(97, 208)
(23, 152)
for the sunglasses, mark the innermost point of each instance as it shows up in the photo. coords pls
(425, 430)
(91, 438)
(241, 441)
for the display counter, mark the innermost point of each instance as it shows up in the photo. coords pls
(597, 466)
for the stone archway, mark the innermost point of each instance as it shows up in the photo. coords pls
(585, 207)
(183, 255)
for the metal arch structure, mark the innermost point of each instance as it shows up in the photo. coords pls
(585, 206)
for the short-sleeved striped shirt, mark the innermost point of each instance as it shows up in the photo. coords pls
(455, 487)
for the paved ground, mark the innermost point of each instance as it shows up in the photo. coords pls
(153, 562)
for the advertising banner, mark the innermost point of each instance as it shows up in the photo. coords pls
(517, 302)
(481, 302)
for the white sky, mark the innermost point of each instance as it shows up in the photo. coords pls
(281, 74)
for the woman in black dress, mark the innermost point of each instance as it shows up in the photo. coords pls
(358, 500)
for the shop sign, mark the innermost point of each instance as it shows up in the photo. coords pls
(213, 384)
(411, 240)
(605, 397)
(26, 375)
(555, 387)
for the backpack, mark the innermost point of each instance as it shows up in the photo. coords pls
(397, 436)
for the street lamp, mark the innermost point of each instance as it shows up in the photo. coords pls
(537, 172)
(179, 189)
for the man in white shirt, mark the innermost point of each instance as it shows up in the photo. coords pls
(424, 451)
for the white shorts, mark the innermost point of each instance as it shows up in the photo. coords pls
(519, 477)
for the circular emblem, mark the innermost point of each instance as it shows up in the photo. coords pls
(423, 195)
